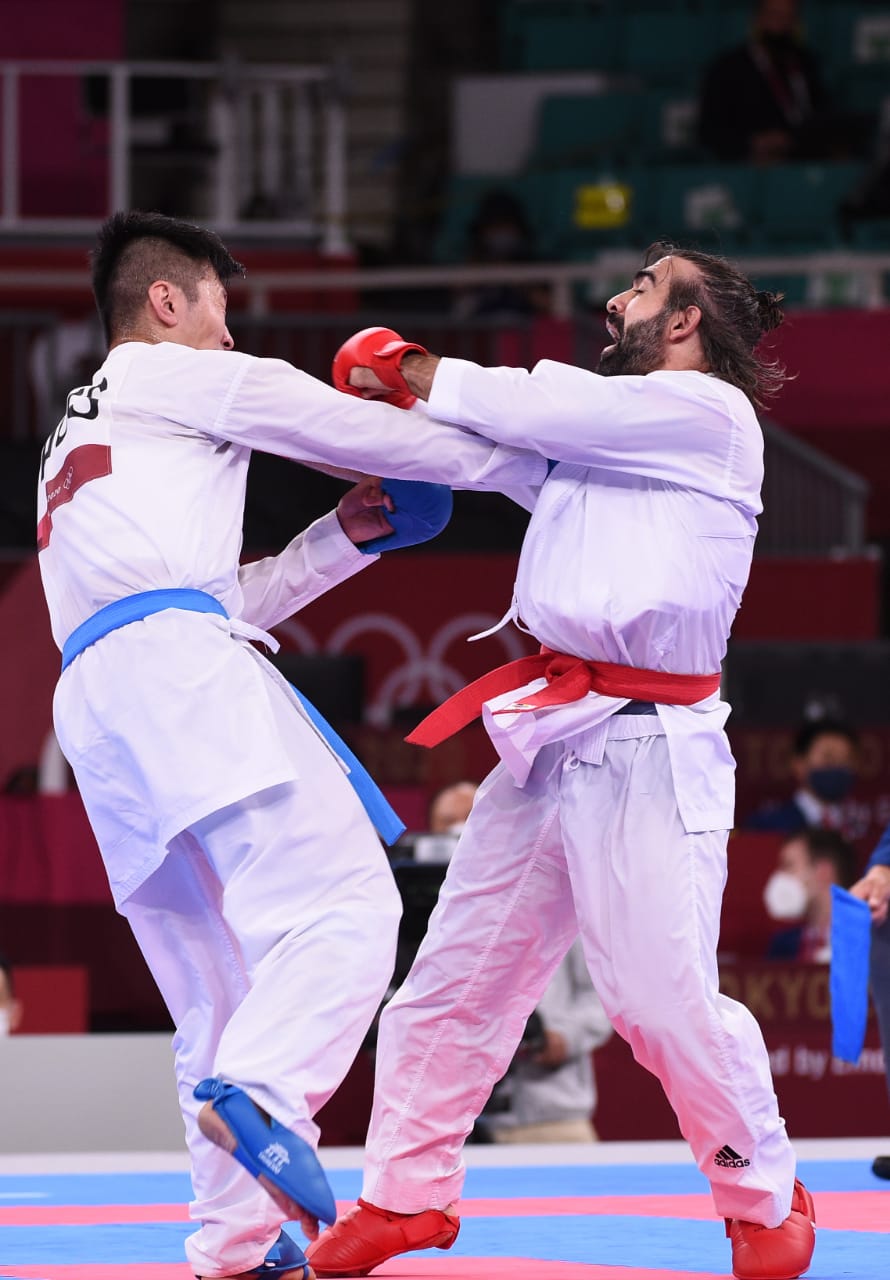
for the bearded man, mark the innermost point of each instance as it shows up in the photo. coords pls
(610, 808)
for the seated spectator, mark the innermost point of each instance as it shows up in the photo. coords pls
(450, 808)
(549, 1093)
(823, 765)
(10, 1008)
(500, 234)
(800, 889)
(764, 102)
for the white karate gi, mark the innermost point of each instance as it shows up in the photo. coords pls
(637, 552)
(251, 875)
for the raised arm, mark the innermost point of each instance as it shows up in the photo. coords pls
(685, 428)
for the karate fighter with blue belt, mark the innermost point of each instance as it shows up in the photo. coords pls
(236, 830)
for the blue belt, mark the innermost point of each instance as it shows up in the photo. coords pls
(134, 608)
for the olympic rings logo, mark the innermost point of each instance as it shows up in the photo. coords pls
(422, 673)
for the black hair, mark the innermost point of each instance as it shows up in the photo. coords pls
(813, 729)
(824, 845)
(135, 249)
(735, 316)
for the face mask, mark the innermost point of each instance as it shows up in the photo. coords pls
(831, 784)
(4, 1022)
(784, 896)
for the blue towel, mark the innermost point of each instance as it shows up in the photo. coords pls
(850, 951)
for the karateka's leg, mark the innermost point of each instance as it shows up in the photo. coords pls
(648, 899)
(310, 898)
(503, 922)
(176, 917)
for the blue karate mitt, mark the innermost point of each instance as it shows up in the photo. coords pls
(421, 511)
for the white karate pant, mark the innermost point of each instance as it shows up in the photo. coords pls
(600, 847)
(270, 929)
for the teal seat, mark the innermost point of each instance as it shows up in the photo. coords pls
(672, 48)
(574, 130)
(799, 204)
(792, 286)
(462, 201)
(669, 126)
(711, 206)
(872, 234)
(591, 209)
(851, 37)
(557, 37)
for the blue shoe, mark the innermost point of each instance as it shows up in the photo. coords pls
(283, 1259)
(281, 1161)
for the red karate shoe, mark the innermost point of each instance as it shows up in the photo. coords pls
(367, 1236)
(778, 1253)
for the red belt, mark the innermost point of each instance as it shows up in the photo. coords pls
(568, 679)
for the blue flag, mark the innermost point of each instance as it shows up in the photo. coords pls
(850, 951)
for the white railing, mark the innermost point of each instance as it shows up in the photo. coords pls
(269, 122)
(862, 279)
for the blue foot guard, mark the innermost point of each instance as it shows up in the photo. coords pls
(268, 1150)
(282, 1260)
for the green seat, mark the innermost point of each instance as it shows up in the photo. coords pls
(871, 234)
(463, 199)
(669, 126)
(591, 209)
(574, 130)
(849, 37)
(792, 285)
(711, 206)
(799, 204)
(560, 37)
(673, 48)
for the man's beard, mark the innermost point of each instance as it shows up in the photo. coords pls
(640, 349)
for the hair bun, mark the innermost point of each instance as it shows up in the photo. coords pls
(769, 310)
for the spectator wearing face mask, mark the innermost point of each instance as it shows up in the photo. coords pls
(10, 1008)
(500, 234)
(799, 890)
(823, 767)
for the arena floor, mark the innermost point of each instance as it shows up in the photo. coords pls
(616, 1211)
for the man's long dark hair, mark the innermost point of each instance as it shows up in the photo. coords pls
(135, 249)
(735, 317)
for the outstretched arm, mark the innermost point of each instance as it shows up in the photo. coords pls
(317, 559)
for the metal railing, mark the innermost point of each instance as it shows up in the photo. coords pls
(570, 285)
(271, 131)
(811, 504)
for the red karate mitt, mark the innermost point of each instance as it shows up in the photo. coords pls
(381, 351)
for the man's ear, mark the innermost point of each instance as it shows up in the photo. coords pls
(683, 323)
(165, 301)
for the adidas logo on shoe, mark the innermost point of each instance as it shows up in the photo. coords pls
(274, 1157)
(726, 1158)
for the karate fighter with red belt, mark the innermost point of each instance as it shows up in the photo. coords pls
(610, 808)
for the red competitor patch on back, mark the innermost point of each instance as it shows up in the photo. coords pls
(86, 462)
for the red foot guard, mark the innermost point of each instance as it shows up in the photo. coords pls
(778, 1253)
(366, 1237)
